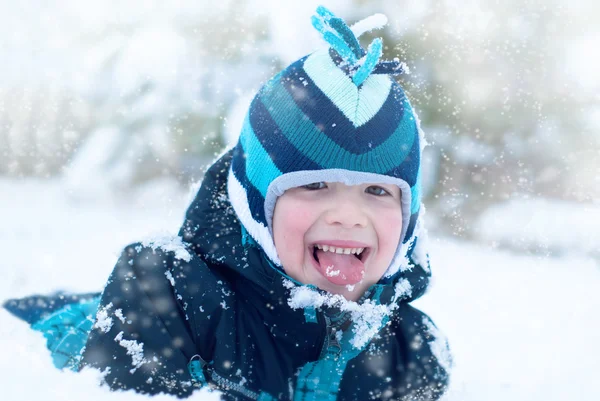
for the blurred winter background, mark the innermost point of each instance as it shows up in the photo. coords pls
(110, 111)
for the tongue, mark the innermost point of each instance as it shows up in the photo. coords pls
(340, 269)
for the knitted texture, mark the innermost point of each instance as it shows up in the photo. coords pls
(329, 116)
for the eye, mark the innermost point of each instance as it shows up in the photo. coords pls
(315, 185)
(377, 190)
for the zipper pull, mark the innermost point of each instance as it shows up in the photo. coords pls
(333, 345)
(196, 367)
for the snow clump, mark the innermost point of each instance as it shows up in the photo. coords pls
(169, 243)
(103, 321)
(367, 318)
(134, 349)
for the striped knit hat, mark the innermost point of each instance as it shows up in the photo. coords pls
(335, 116)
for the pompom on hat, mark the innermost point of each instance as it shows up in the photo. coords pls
(335, 115)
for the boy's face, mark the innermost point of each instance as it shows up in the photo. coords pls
(309, 220)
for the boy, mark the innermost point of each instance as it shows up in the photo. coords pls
(298, 256)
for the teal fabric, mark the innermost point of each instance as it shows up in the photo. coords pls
(324, 12)
(265, 397)
(339, 39)
(196, 369)
(247, 239)
(347, 35)
(340, 46)
(320, 380)
(337, 33)
(310, 315)
(262, 171)
(373, 54)
(415, 199)
(66, 332)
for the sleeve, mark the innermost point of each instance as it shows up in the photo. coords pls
(424, 360)
(143, 337)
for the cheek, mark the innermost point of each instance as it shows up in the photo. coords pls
(290, 224)
(388, 232)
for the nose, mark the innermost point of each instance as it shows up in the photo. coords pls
(346, 212)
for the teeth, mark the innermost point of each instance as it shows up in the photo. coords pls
(346, 251)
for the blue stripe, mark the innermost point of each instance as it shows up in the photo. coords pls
(415, 200)
(308, 139)
(66, 332)
(283, 154)
(340, 46)
(325, 13)
(255, 199)
(260, 169)
(264, 396)
(394, 110)
(373, 54)
(347, 35)
(411, 226)
(310, 315)
(324, 113)
(408, 170)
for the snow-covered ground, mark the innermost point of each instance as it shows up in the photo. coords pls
(521, 327)
(525, 224)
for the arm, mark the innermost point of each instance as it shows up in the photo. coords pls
(143, 337)
(424, 360)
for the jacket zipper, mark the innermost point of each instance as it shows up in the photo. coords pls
(226, 384)
(197, 367)
(331, 344)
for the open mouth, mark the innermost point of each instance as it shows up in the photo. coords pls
(340, 265)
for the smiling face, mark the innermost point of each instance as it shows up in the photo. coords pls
(320, 229)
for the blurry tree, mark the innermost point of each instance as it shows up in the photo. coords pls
(40, 126)
(157, 82)
(162, 86)
(504, 113)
